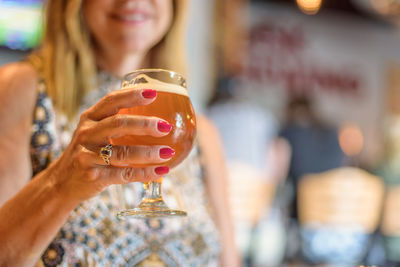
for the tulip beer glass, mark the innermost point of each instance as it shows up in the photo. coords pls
(173, 105)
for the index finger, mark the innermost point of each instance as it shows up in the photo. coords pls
(111, 103)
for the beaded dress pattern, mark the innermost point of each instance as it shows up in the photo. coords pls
(94, 236)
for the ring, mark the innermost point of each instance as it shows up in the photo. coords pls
(105, 153)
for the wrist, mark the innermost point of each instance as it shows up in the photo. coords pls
(32, 218)
(58, 192)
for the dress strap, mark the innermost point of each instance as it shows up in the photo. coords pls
(43, 129)
(42, 138)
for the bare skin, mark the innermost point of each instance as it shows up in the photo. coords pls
(52, 193)
(32, 211)
(217, 184)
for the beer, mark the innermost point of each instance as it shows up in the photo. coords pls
(173, 105)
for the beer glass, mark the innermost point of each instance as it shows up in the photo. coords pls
(173, 105)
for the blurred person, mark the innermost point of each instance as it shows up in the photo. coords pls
(315, 148)
(57, 195)
(315, 145)
(269, 238)
(250, 144)
(257, 163)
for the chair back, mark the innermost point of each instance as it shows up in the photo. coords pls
(344, 197)
(338, 210)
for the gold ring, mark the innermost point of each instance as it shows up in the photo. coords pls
(105, 153)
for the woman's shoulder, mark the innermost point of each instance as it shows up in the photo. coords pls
(18, 83)
(18, 76)
(206, 127)
(207, 133)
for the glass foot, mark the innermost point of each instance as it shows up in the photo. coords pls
(150, 209)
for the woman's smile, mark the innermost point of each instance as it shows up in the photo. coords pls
(132, 17)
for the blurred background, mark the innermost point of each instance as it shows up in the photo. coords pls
(306, 95)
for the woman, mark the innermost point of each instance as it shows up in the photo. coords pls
(65, 214)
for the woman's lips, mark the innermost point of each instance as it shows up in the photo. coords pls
(132, 17)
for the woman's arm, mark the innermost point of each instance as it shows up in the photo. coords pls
(32, 211)
(31, 218)
(217, 185)
(17, 100)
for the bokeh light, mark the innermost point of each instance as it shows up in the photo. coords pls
(309, 7)
(351, 139)
(386, 7)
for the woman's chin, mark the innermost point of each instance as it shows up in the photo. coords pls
(135, 42)
(132, 48)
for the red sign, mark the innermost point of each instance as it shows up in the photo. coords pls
(280, 56)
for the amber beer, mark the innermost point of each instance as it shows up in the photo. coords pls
(173, 105)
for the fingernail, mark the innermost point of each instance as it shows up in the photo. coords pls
(164, 126)
(161, 170)
(149, 93)
(166, 153)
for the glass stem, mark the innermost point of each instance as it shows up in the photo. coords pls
(152, 192)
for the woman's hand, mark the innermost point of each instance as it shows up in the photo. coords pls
(33, 210)
(82, 173)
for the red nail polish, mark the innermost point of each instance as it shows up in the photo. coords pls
(166, 153)
(149, 93)
(161, 170)
(164, 126)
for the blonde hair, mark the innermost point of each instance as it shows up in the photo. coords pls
(66, 60)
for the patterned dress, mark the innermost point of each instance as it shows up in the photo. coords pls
(94, 236)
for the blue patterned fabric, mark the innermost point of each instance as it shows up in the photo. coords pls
(94, 236)
(324, 244)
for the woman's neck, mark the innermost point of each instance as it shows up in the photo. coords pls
(118, 64)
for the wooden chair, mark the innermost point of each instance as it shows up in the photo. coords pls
(345, 202)
(251, 190)
(251, 194)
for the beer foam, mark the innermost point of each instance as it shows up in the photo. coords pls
(156, 85)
